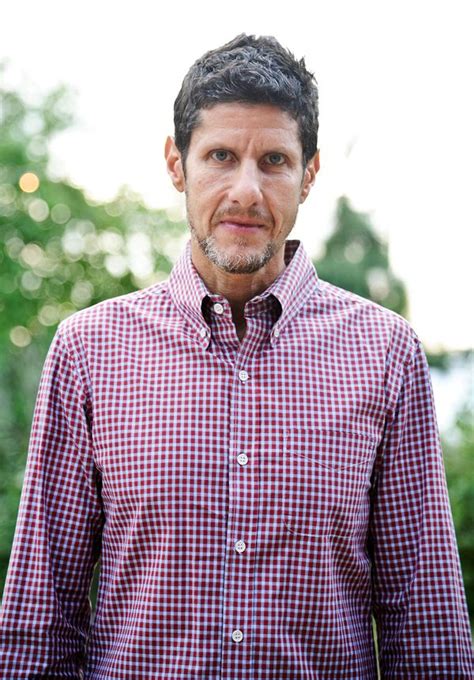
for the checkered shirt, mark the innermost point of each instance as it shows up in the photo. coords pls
(253, 503)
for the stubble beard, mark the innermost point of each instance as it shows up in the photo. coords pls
(236, 263)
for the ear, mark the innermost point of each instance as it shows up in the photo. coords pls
(174, 164)
(309, 176)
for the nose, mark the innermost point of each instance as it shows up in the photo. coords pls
(245, 189)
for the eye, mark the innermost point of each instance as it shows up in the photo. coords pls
(220, 155)
(275, 158)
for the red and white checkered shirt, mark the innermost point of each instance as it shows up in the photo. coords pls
(253, 503)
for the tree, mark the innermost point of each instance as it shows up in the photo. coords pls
(458, 448)
(356, 259)
(60, 252)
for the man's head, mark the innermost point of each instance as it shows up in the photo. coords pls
(249, 70)
(245, 154)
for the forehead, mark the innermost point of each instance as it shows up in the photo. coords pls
(234, 121)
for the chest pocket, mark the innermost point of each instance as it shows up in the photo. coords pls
(326, 482)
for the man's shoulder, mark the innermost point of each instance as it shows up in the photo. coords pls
(116, 314)
(373, 320)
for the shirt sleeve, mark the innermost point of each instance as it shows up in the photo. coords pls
(45, 617)
(418, 596)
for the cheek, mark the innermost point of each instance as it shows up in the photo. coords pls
(200, 202)
(285, 203)
(203, 185)
(285, 213)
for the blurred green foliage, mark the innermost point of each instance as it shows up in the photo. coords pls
(60, 251)
(458, 449)
(356, 258)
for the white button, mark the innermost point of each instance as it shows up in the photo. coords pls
(243, 459)
(237, 636)
(203, 332)
(243, 376)
(240, 546)
(218, 308)
(276, 333)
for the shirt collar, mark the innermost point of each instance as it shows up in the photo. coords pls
(291, 288)
(296, 282)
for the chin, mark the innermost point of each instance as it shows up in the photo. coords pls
(238, 260)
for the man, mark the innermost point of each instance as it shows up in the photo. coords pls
(252, 451)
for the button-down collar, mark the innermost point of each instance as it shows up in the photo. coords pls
(291, 288)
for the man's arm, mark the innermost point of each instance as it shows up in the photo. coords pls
(418, 597)
(45, 616)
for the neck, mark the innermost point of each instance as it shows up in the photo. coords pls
(237, 289)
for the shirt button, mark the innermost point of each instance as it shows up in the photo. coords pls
(218, 308)
(243, 376)
(242, 459)
(240, 546)
(276, 333)
(203, 332)
(237, 636)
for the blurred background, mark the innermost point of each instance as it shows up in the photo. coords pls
(87, 211)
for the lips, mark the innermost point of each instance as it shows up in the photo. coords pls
(240, 227)
(243, 225)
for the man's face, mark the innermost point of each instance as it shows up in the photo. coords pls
(244, 182)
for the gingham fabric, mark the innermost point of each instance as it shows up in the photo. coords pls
(253, 503)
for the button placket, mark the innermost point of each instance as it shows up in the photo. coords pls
(243, 515)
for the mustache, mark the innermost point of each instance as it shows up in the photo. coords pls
(251, 213)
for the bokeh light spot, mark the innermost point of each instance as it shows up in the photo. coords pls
(7, 194)
(29, 182)
(49, 315)
(354, 252)
(30, 281)
(378, 283)
(73, 244)
(38, 210)
(32, 254)
(20, 336)
(111, 241)
(116, 265)
(60, 213)
(82, 293)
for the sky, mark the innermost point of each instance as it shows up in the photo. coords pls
(396, 122)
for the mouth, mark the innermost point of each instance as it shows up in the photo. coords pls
(240, 226)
